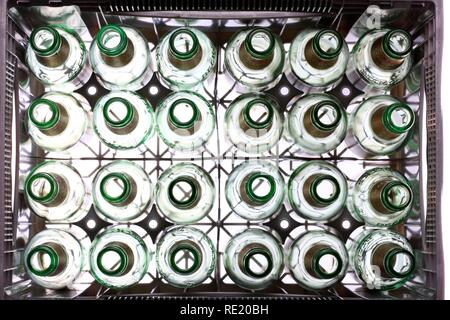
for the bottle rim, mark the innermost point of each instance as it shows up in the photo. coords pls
(315, 194)
(253, 252)
(122, 256)
(191, 199)
(255, 52)
(52, 48)
(50, 123)
(121, 122)
(119, 48)
(124, 179)
(327, 55)
(54, 260)
(389, 262)
(317, 267)
(390, 125)
(184, 55)
(50, 196)
(258, 124)
(385, 196)
(174, 120)
(196, 255)
(316, 115)
(260, 200)
(392, 52)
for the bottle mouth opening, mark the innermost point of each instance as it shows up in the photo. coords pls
(326, 115)
(112, 40)
(45, 41)
(397, 44)
(185, 258)
(260, 188)
(118, 112)
(112, 260)
(398, 118)
(42, 260)
(41, 187)
(396, 196)
(184, 192)
(327, 44)
(183, 44)
(183, 113)
(258, 262)
(115, 187)
(258, 114)
(43, 113)
(327, 263)
(260, 43)
(325, 189)
(399, 263)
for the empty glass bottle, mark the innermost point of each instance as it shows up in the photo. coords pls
(184, 193)
(56, 192)
(122, 192)
(185, 121)
(253, 259)
(317, 260)
(255, 190)
(382, 124)
(317, 123)
(57, 121)
(380, 59)
(317, 191)
(123, 120)
(382, 197)
(57, 57)
(54, 258)
(255, 59)
(185, 58)
(382, 259)
(119, 257)
(185, 256)
(253, 123)
(317, 58)
(120, 57)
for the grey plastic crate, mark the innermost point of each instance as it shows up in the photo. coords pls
(420, 160)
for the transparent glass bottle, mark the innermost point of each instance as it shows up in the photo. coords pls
(123, 120)
(317, 123)
(382, 197)
(120, 57)
(255, 59)
(382, 259)
(56, 192)
(56, 121)
(317, 191)
(119, 257)
(185, 256)
(382, 124)
(317, 58)
(57, 57)
(255, 190)
(380, 59)
(184, 193)
(185, 58)
(317, 260)
(185, 121)
(54, 258)
(253, 123)
(254, 259)
(122, 192)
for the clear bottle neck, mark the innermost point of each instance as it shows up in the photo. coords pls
(115, 259)
(321, 190)
(49, 117)
(48, 189)
(118, 189)
(322, 119)
(257, 50)
(115, 48)
(323, 50)
(388, 196)
(47, 260)
(185, 51)
(51, 49)
(390, 51)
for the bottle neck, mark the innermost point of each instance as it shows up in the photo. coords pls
(120, 116)
(49, 190)
(184, 117)
(321, 190)
(323, 262)
(323, 50)
(393, 261)
(255, 260)
(118, 189)
(258, 188)
(389, 196)
(49, 117)
(115, 259)
(257, 50)
(184, 192)
(390, 121)
(47, 260)
(257, 117)
(184, 52)
(390, 51)
(185, 257)
(50, 47)
(322, 119)
(115, 48)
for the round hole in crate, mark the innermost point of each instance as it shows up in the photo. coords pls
(153, 224)
(153, 90)
(92, 90)
(284, 224)
(284, 91)
(346, 91)
(346, 224)
(91, 224)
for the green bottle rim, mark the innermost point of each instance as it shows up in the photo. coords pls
(126, 187)
(320, 52)
(119, 48)
(260, 200)
(188, 202)
(183, 124)
(252, 50)
(54, 260)
(389, 262)
(53, 48)
(387, 118)
(183, 55)
(247, 259)
(50, 123)
(315, 195)
(50, 196)
(315, 115)
(385, 196)
(123, 260)
(392, 53)
(122, 122)
(319, 270)
(255, 124)
(196, 259)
